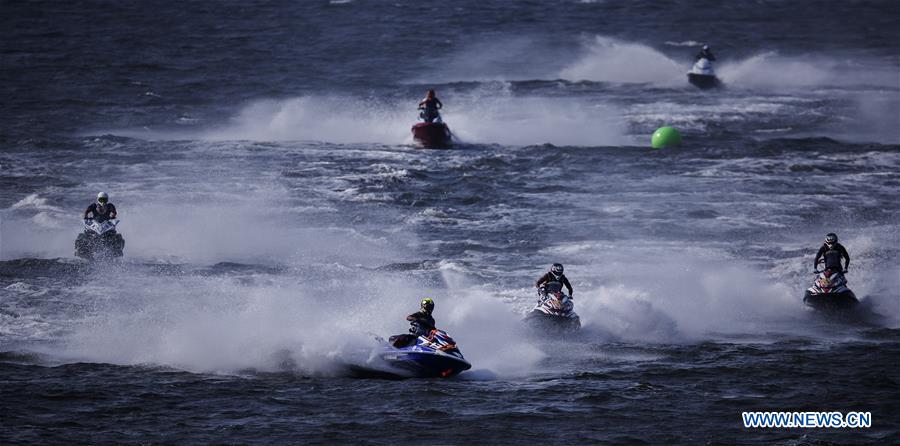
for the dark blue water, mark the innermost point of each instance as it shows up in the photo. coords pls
(277, 215)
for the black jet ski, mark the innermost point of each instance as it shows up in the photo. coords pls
(554, 312)
(100, 240)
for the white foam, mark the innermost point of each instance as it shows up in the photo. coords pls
(35, 202)
(613, 60)
(487, 115)
(317, 118)
(772, 70)
(654, 292)
(309, 324)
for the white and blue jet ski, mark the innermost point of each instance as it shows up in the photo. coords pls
(702, 75)
(99, 240)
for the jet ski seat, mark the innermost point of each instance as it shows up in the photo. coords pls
(402, 340)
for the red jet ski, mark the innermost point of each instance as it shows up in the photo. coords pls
(431, 134)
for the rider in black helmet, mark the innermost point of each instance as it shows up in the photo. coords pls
(705, 53)
(421, 323)
(555, 275)
(832, 252)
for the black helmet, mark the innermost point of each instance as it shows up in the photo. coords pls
(831, 238)
(427, 305)
(556, 269)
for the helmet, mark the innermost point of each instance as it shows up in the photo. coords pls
(430, 94)
(556, 269)
(705, 47)
(831, 238)
(427, 305)
(102, 198)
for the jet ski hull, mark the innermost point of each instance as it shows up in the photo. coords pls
(96, 247)
(425, 364)
(432, 134)
(432, 355)
(830, 301)
(553, 323)
(704, 81)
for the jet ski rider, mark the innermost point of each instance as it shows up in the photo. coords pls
(420, 324)
(555, 275)
(832, 252)
(430, 106)
(101, 210)
(705, 53)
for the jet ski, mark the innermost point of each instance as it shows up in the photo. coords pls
(829, 292)
(100, 240)
(427, 356)
(554, 311)
(432, 132)
(702, 75)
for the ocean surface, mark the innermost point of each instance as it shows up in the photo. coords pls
(277, 216)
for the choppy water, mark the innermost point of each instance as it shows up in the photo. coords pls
(275, 214)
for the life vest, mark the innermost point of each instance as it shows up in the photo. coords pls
(430, 105)
(101, 213)
(418, 326)
(554, 283)
(832, 259)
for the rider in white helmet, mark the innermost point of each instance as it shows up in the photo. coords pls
(100, 210)
(555, 275)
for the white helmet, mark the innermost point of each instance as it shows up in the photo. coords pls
(705, 47)
(102, 198)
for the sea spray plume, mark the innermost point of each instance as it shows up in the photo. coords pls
(487, 332)
(635, 296)
(492, 114)
(612, 60)
(312, 321)
(484, 115)
(335, 119)
(773, 70)
(502, 58)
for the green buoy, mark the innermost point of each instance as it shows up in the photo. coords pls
(665, 137)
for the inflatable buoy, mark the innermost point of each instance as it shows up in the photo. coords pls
(665, 137)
